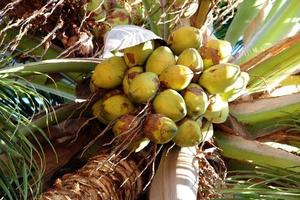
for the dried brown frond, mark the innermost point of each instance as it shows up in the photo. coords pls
(212, 171)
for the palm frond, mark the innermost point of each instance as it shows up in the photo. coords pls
(20, 173)
(262, 183)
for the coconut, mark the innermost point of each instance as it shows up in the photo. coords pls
(239, 88)
(109, 73)
(217, 111)
(143, 87)
(196, 100)
(171, 104)
(94, 6)
(176, 77)
(161, 58)
(215, 51)
(191, 58)
(188, 133)
(220, 78)
(138, 54)
(129, 75)
(183, 38)
(123, 129)
(96, 110)
(159, 129)
(118, 16)
(114, 106)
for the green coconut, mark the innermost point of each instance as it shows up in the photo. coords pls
(239, 87)
(218, 110)
(109, 73)
(170, 104)
(118, 16)
(143, 87)
(114, 106)
(96, 110)
(138, 54)
(161, 58)
(215, 51)
(188, 133)
(220, 78)
(159, 129)
(191, 58)
(129, 75)
(183, 38)
(176, 77)
(196, 100)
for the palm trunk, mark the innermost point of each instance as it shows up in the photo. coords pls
(116, 179)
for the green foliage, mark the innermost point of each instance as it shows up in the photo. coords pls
(262, 183)
(21, 162)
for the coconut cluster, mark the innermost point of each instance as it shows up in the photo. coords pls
(186, 86)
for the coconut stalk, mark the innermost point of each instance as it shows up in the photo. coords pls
(263, 116)
(238, 148)
(200, 16)
(54, 66)
(177, 175)
(268, 73)
(36, 74)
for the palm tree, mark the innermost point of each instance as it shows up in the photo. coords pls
(45, 103)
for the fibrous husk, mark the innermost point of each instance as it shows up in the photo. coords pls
(98, 179)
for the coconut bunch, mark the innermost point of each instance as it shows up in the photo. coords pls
(160, 94)
(110, 13)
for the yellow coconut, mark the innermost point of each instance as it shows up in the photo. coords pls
(176, 77)
(188, 133)
(137, 55)
(191, 58)
(215, 51)
(115, 106)
(159, 129)
(219, 78)
(161, 58)
(96, 110)
(143, 87)
(196, 100)
(124, 131)
(183, 38)
(129, 75)
(109, 73)
(171, 104)
(239, 88)
(218, 110)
